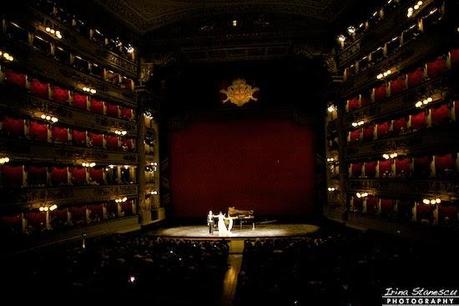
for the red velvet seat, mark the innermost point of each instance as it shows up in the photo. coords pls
(38, 131)
(13, 127)
(60, 94)
(36, 175)
(59, 134)
(455, 58)
(15, 78)
(399, 125)
(97, 106)
(370, 168)
(79, 137)
(440, 115)
(403, 167)
(356, 169)
(418, 120)
(112, 110)
(372, 205)
(398, 85)
(383, 129)
(353, 104)
(445, 164)
(80, 101)
(355, 135)
(368, 132)
(112, 142)
(436, 67)
(97, 175)
(380, 93)
(12, 176)
(385, 168)
(415, 77)
(39, 89)
(96, 140)
(59, 176)
(78, 175)
(127, 113)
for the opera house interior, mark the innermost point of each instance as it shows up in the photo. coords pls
(238, 152)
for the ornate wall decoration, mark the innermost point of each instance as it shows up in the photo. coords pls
(239, 92)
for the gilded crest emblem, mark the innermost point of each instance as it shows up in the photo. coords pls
(239, 92)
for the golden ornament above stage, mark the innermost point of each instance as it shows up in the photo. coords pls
(239, 92)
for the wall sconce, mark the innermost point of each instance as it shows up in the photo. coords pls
(431, 201)
(331, 108)
(361, 195)
(4, 160)
(390, 155)
(49, 118)
(358, 123)
(89, 90)
(121, 200)
(88, 165)
(122, 133)
(5, 55)
(426, 101)
(384, 74)
(411, 10)
(47, 208)
(331, 189)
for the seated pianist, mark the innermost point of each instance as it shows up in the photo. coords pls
(242, 216)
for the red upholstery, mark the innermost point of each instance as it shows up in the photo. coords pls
(422, 165)
(355, 135)
(78, 175)
(356, 169)
(357, 204)
(415, 77)
(440, 115)
(60, 94)
(95, 139)
(96, 211)
(418, 121)
(380, 93)
(372, 205)
(387, 205)
(445, 162)
(353, 104)
(18, 79)
(79, 137)
(126, 113)
(38, 131)
(424, 212)
(13, 127)
(365, 100)
(59, 176)
(398, 85)
(399, 125)
(97, 106)
(112, 110)
(385, 167)
(39, 89)
(36, 219)
(128, 144)
(447, 213)
(370, 169)
(78, 214)
(383, 129)
(455, 58)
(36, 175)
(112, 142)
(12, 176)
(80, 101)
(59, 134)
(436, 67)
(97, 175)
(368, 132)
(403, 166)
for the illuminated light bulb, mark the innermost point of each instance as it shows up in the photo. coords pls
(48, 117)
(124, 199)
(111, 166)
(426, 201)
(416, 7)
(432, 201)
(380, 76)
(41, 208)
(48, 29)
(58, 34)
(92, 90)
(386, 156)
(354, 124)
(43, 116)
(331, 108)
(429, 99)
(132, 279)
(92, 165)
(418, 104)
(438, 200)
(351, 30)
(52, 31)
(45, 208)
(54, 119)
(425, 101)
(419, 3)
(234, 22)
(358, 194)
(6, 55)
(341, 38)
(130, 50)
(126, 166)
(1, 53)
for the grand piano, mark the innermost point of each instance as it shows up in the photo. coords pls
(243, 216)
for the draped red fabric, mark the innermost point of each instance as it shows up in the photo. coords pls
(440, 115)
(112, 142)
(403, 166)
(78, 175)
(445, 162)
(353, 104)
(15, 78)
(80, 101)
(365, 99)
(36, 219)
(370, 169)
(424, 212)
(398, 85)
(380, 92)
(447, 213)
(60, 94)
(355, 135)
(356, 169)
(97, 175)
(79, 137)
(59, 134)
(13, 126)
(455, 58)
(385, 167)
(383, 129)
(399, 125)
(97, 106)
(112, 110)
(436, 67)
(368, 132)
(38, 131)
(59, 176)
(387, 205)
(126, 113)
(128, 144)
(372, 205)
(418, 121)
(415, 77)
(95, 139)
(357, 204)
(39, 89)
(36, 175)
(422, 165)
(78, 214)
(12, 176)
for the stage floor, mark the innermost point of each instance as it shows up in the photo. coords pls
(261, 231)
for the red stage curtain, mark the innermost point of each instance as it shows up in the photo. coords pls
(80, 101)
(353, 104)
(36, 175)
(380, 92)
(368, 132)
(36, 219)
(424, 212)
(38, 131)
(78, 175)
(455, 58)
(370, 169)
(355, 135)
(95, 139)
(97, 106)
(440, 115)
(372, 205)
(60, 94)
(399, 125)
(59, 176)
(356, 169)
(403, 167)
(128, 144)
(12, 176)
(436, 67)
(418, 121)
(415, 77)
(445, 163)
(126, 113)
(398, 85)
(112, 110)
(13, 127)
(383, 129)
(60, 134)
(112, 142)
(97, 175)
(15, 78)
(385, 168)
(79, 137)
(422, 165)
(39, 89)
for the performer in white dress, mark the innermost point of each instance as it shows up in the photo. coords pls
(222, 230)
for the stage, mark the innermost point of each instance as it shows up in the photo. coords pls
(261, 231)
